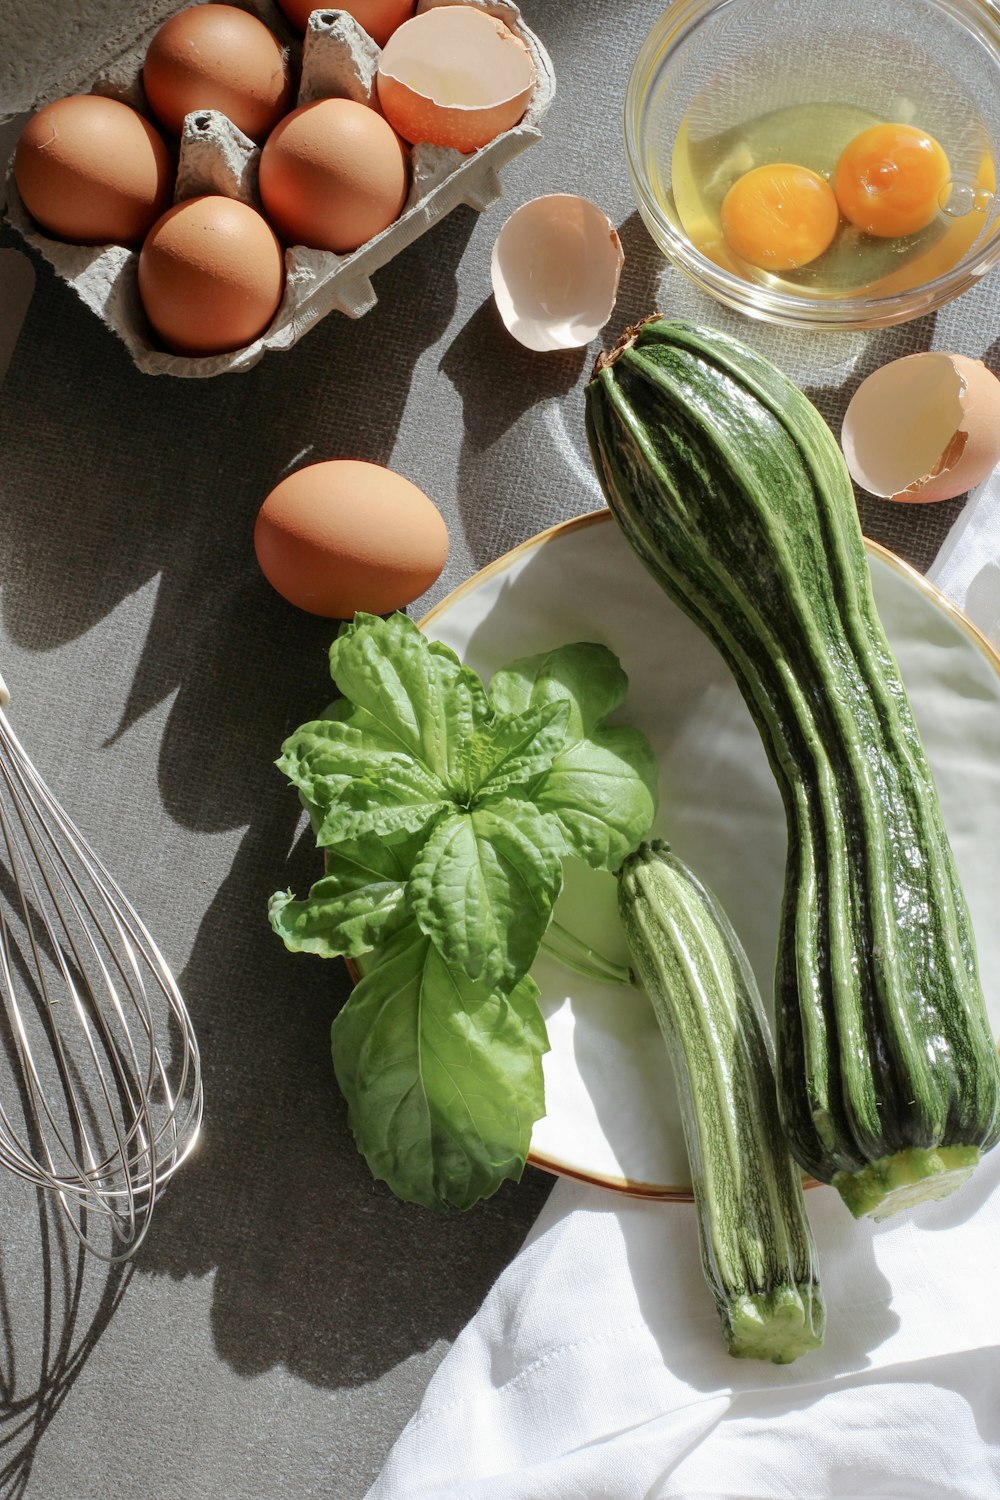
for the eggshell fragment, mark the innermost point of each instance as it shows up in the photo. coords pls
(922, 428)
(556, 266)
(93, 171)
(454, 76)
(342, 536)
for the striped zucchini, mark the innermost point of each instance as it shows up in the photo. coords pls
(734, 493)
(756, 1245)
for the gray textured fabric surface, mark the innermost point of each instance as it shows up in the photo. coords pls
(278, 1327)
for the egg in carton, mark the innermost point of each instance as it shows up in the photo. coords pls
(339, 60)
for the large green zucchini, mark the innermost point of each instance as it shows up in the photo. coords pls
(734, 493)
(756, 1245)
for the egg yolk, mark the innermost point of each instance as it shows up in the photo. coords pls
(779, 217)
(890, 180)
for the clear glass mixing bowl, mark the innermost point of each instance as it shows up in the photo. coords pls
(710, 65)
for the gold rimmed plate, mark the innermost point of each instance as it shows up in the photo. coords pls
(611, 1112)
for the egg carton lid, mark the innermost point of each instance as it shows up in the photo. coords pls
(216, 157)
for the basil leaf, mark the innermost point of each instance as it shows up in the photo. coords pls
(442, 1077)
(602, 790)
(337, 752)
(602, 783)
(358, 903)
(314, 765)
(514, 749)
(445, 816)
(415, 693)
(402, 800)
(587, 676)
(483, 887)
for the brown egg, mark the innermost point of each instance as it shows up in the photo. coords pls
(217, 57)
(378, 17)
(92, 170)
(343, 536)
(333, 174)
(211, 276)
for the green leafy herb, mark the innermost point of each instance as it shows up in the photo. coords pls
(484, 885)
(442, 1076)
(444, 814)
(599, 785)
(358, 904)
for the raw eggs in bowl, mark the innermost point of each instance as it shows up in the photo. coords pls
(821, 166)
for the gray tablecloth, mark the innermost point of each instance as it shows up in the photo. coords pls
(283, 1317)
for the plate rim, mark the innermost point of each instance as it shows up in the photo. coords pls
(602, 514)
(546, 1162)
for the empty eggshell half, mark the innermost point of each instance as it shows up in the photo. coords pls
(556, 266)
(926, 427)
(454, 76)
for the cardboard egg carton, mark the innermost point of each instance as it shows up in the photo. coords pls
(338, 59)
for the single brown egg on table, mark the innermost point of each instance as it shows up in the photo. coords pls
(333, 175)
(378, 17)
(217, 57)
(342, 536)
(93, 171)
(211, 276)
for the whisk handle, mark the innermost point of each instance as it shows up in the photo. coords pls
(4, 694)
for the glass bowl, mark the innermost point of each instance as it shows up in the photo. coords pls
(708, 67)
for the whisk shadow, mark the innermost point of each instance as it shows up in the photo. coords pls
(74, 1303)
(323, 1284)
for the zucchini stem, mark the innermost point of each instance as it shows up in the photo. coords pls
(916, 1175)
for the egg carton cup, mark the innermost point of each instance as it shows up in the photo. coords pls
(339, 60)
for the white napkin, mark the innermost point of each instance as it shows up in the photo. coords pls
(967, 568)
(595, 1367)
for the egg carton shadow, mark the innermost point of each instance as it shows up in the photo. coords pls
(339, 59)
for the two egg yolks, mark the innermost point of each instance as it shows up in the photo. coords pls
(889, 182)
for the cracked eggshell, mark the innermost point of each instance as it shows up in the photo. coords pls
(556, 266)
(922, 428)
(454, 76)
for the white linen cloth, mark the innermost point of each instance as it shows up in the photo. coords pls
(595, 1367)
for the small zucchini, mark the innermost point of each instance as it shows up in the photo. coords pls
(756, 1244)
(733, 492)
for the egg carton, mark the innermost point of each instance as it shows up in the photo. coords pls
(338, 60)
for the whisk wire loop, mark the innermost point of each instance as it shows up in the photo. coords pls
(105, 1063)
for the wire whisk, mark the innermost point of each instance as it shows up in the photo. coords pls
(101, 1098)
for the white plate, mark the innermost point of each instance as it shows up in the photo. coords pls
(611, 1112)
